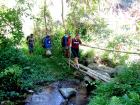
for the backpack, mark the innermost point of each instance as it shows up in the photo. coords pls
(64, 41)
(47, 42)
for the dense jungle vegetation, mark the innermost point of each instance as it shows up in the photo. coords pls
(108, 24)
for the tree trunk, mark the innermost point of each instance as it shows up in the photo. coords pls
(45, 15)
(63, 14)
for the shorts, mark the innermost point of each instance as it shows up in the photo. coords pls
(31, 47)
(75, 52)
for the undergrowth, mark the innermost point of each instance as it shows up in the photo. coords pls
(124, 89)
(20, 72)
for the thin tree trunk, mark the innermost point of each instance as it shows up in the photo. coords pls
(63, 14)
(45, 15)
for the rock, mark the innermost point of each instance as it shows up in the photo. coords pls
(49, 97)
(55, 94)
(65, 102)
(2, 102)
(67, 92)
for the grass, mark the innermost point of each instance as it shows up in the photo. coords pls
(42, 68)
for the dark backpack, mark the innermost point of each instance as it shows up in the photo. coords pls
(64, 41)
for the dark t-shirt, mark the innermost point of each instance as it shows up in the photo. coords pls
(30, 40)
(75, 43)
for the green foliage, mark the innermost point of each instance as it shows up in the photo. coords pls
(98, 100)
(11, 27)
(10, 56)
(20, 72)
(10, 81)
(116, 57)
(38, 47)
(115, 101)
(90, 54)
(123, 90)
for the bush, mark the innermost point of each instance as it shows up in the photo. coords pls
(11, 72)
(11, 84)
(11, 78)
(89, 54)
(10, 56)
(11, 27)
(123, 90)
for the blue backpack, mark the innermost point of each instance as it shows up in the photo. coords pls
(47, 42)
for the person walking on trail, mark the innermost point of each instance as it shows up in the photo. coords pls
(66, 43)
(75, 49)
(30, 42)
(47, 44)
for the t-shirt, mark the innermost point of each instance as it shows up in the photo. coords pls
(75, 43)
(30, 40)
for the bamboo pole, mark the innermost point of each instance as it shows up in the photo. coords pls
(127, 52)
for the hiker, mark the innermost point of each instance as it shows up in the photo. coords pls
(47, 44)
(66, 43)
(75, 49)
(30, 42)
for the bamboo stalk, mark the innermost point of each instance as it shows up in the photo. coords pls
(111, 50)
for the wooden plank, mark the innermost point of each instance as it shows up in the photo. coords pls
(102, 68)
(96, 74)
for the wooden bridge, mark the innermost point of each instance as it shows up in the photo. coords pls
(96, 74)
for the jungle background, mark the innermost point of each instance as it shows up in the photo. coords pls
(109, 24)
